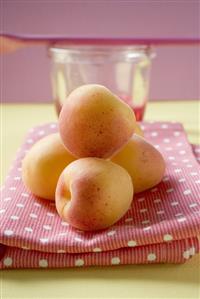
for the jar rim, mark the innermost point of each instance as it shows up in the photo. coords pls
(61, 52)
(91, 47)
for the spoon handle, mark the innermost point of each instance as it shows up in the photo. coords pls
(12, 42)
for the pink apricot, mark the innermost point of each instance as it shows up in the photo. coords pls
(94, 122)
(143, 162)
(43, 165)
(93, 193)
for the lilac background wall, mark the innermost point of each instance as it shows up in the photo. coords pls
(175, 73)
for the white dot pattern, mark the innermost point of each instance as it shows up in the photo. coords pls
(192, 251)
(143, 210)
(63, 223)
(174, 203)
(44, 240)
(141, 199)
(79, 262)
(182, 219)
(186, 192)
(165, 179)
(8, 261)
(161, 212)
(170, 190)
(115, 261)
(77, 239)
(151, 257)
(157, 200)
(41, 133)
(61, 251)
(7, 198)
(37, 204)
(174, 199)
(147, 228)
(186, 254)
(168, 237)
(132, 243)
(193, 205)
(14, 217)
(97, 249)
(28, 229)
(43, 263)
(32, 215)
(181, 180)
(111, 233)
(50, 214)
(47, 227)
(20, 205)
(8, 232)
(25, 194)
(25, 247)
(129, 219)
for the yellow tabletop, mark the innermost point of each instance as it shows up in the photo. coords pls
(141, 281)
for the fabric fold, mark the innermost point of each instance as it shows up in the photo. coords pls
(161, 226)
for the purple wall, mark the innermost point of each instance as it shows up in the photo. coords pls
(175, 73)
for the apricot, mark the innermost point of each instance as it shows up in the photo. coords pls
(94, 122)
(93, 193)
(43, 165)
(143, 162)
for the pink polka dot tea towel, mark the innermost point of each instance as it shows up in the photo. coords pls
(162, 225)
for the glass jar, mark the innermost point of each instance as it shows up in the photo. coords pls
(125, 70)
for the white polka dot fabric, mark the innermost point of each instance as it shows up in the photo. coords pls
(161, 226)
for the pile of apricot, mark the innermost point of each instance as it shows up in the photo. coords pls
(95, 163)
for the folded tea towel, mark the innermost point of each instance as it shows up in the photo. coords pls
(162, 225)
